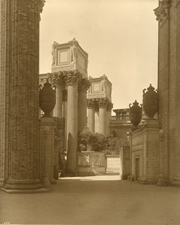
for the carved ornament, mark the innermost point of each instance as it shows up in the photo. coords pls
(71, 77)
(41, 5)
(162, 11)
(109, 106)
(84, 84)
(57, 78)
(103, 102)
(92, 103)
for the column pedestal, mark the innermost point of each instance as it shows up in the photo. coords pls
(47, 149)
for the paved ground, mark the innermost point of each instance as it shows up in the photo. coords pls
(100, 200)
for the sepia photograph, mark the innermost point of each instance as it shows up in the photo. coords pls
(90, 112)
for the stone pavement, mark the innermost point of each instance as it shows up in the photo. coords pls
(98, 200)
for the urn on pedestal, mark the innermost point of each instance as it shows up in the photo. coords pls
(135, 114)
(150, 101)
(47, 98)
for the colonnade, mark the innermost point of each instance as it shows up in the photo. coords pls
(101, 106)
(73, 108)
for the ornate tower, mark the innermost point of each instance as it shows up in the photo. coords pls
(69, 74)
(99, 105)
(19, 69)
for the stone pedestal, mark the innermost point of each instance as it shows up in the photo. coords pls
(19, 91)
(124, 162)
(145, 153)
(47, 150)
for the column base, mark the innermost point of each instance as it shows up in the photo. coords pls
(39, 190)
(22, 185)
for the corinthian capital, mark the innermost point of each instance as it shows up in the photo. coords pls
(162, 11)
(109, 106)
(57, 78)
(41, 5)
(92, 103)
(71, 77)
(84, 84)
(103, 102)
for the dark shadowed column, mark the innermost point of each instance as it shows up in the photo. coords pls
(19, 70)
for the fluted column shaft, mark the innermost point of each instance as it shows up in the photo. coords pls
(102, 120)
(91, 114)
(102, 116)
(82, 104)
(58, 80)
(72, 123)
(19, 112)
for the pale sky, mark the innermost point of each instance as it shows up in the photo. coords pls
(120, 37)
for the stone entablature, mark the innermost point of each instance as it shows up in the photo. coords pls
(101, 87)
(69, 56)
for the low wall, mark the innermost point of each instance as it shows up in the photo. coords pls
(91, 163)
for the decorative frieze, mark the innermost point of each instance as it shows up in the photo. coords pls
(162, 11)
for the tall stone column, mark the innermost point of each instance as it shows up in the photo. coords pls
(91, 114)
(108, 117)
(19, 91)
(64, 115)
(82, 103)
(58, 81)
(72, 122)
(162, 13)
(102, 115)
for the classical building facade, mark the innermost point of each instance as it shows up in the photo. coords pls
(99, 105)
(69, 75)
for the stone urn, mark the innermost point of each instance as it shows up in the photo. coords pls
(135, 114)
(150, 101)
(47, 99)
